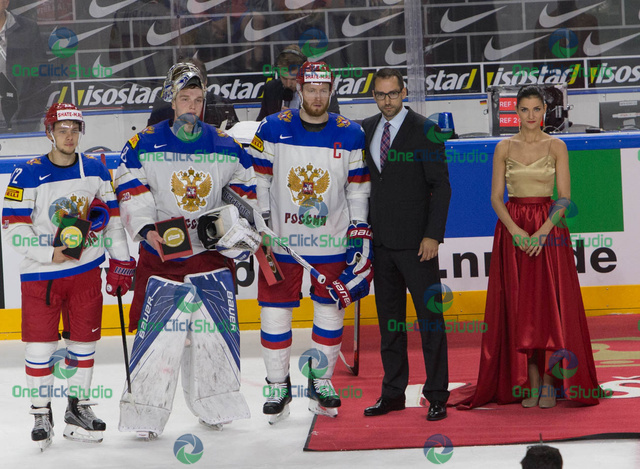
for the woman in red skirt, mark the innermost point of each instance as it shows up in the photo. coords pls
(537, 345)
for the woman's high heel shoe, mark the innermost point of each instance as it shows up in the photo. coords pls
(533, 400)
(547, 397)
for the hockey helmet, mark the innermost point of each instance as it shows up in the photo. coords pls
(62, 112)
(178, 77)
(315, 72)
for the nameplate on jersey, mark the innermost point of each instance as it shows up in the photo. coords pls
(72, 232)
(176, 239)
(14, 193)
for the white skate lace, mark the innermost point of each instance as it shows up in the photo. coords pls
(84, 408)
(42, 422)
(324, 387)
(277, 392)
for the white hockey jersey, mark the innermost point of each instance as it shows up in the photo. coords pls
(39, 195)
(161, 176)
(314, 180)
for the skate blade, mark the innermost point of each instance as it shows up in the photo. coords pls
(44, 444)
(275, 418)
(214, 426)
(76, 433)
(147, 436)
(316, 408)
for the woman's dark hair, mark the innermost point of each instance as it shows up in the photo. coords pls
(530, 92)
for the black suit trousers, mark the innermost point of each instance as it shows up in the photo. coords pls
(394, 272)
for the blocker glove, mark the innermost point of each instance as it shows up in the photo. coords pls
(120, 275)
(98, 215)
(359, 252)
(350, 287)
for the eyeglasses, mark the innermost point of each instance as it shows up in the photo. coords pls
(391, 95)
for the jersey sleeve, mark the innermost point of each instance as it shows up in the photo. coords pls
(262, 150)
(243, 181)
(17, 224)
(137, 205)
(114, 231)
(358, 185)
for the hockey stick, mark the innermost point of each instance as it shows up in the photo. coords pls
(356, 339)
(256, 220)
(124, 340)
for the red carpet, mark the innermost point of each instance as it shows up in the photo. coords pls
(616, 347)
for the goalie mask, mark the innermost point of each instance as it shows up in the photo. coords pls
(178, 77)
(222, 229)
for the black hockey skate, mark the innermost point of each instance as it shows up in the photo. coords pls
(277, 405)
(43, 428)
(82, 423)
(323, 398)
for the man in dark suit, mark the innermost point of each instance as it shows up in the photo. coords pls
(408, 213)
(23, 97)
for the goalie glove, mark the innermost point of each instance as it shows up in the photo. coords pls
(359, 250)
(98, 215)
(224, 230)
(350, 287)
(120, 274)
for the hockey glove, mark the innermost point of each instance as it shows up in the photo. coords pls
(120, 275)
(359, 251)
(350, 287)
(224, 230)
(98, 215)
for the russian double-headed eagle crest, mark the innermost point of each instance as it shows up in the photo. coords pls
(191, 189)
(342, 122)
(286, 115)
(307, 184)
(75, 205)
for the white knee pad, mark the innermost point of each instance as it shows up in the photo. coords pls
(275, 332)
(37, 357)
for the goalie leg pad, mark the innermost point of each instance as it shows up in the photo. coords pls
(211, 363)
(155, 357)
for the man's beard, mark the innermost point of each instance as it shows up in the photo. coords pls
(314, 112)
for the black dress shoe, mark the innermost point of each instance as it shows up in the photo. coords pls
(384, 406)
(437, 411)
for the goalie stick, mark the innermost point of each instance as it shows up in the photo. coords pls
(256, 220)
(356, 339)
(124, 342)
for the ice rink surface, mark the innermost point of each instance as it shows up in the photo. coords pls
(251, 443)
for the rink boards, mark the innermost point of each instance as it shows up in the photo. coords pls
(605, 170)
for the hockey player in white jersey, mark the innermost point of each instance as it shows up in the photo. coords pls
(177, 168)
(313, 182)
(40, 192)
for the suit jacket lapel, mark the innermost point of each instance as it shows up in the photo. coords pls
(368, 137)
(404, 132)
